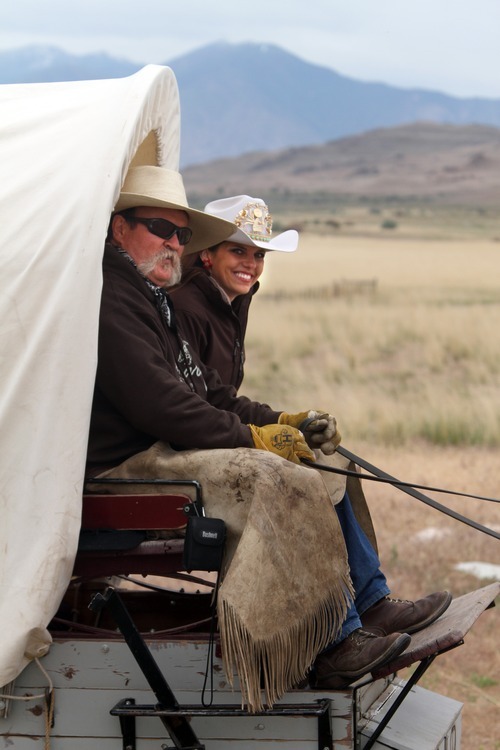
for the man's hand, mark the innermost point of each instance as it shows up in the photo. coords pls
(319, 429)
(282, 439)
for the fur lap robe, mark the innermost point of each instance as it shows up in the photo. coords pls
(285, 585)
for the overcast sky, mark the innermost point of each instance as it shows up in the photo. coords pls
(444, 45)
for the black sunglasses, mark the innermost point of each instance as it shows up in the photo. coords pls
(166, 229)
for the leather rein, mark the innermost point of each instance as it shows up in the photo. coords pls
(377, 475)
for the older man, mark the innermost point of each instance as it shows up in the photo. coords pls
(299, 577)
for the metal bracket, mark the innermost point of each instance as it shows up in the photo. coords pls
(128, 710)
(410, 683)
(127, 725)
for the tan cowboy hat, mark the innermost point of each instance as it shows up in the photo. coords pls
(254, 223)
(156, 186)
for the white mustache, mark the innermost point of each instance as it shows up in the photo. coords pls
(147, 267)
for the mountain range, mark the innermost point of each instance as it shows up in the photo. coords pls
(447, 164)
(242, 98)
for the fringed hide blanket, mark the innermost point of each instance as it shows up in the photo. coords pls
(285, 585)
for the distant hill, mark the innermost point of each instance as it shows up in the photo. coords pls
(240, 98)
(450, 164)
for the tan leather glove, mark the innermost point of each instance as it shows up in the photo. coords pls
(283, 440)
(319, 429)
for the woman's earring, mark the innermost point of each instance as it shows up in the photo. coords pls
(207, 263)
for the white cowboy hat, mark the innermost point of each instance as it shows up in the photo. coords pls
(254, 223)
(164, 188)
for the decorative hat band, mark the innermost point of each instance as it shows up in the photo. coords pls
(256, 221)
(252, 223)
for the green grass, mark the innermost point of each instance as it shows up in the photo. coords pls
(482, 681)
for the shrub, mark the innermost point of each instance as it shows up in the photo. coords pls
(389, 224)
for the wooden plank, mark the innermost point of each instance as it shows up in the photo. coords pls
(110, 664)
(91, 743)
(447, 631)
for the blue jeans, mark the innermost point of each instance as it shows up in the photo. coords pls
(369, 582)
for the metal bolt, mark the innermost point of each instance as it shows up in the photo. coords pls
(105, 649)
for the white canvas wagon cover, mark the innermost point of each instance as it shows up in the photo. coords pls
(64, 149)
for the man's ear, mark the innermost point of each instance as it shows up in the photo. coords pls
(118, 227)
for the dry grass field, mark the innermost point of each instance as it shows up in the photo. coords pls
(397, 335)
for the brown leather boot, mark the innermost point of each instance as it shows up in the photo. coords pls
(400, 616)
(358, 654)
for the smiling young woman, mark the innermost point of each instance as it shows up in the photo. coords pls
(214, 296)
(235, 268)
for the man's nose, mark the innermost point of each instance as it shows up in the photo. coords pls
(173, 244)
